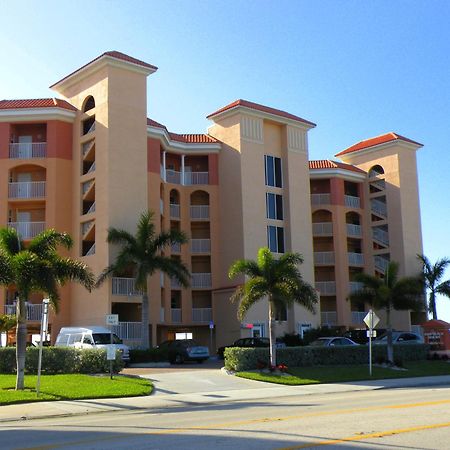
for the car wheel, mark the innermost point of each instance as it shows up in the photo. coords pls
(179, 359)
(200, 361)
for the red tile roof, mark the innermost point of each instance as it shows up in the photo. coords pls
(113, 54)
(388, 137)
(36, 103)
(186, 138)
(262, 108)
(328, 164)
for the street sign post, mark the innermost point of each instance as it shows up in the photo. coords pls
(44, 330)
(371, 320)
(211, 328)
(111, 319)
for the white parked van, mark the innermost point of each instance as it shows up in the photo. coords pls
(90, 337)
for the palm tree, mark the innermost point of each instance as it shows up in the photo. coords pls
(278, 280)
(37, 267)
(142, 254)
(432, 275)
(389, 293)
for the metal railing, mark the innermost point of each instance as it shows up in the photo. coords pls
(355, 286)
(92, 168)
(27, 150)
(380, 235)
(323, 258)
(191, 178)
(328, 317)
(355, 259)
(174, 211)
(201, 280)
(128, 330)
(358, 316)
(200, 245)
(91, 251)
(27, 230)
(199, 212)
(86, 186)
(175, 315)
(381, 263)
(91, 209)
(326, 287)
(87, 146)
(320, 199)
(379, 184)
(378, 207)
(175, 248)
(26, 189)
(173, 176)
(86, 226)
(34, 311)
(352, 201)
(201, 315)
(354, 230)
(125, 286)
(322, 228)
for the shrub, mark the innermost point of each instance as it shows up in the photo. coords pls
(7, 360)
(240, 359)
(149, 355)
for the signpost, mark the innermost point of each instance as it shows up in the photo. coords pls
(44, 328)
(111, 319)
(371, 320)
(211, 328)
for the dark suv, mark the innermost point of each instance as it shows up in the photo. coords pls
(251, 342)
(183, 350)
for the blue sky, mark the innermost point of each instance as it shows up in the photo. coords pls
(356, 68)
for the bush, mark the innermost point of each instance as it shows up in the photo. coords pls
(149, 355)
(240, 359)
(60, 360)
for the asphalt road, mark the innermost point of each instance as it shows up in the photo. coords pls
(409, 418)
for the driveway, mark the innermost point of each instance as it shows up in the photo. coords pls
(190, 378)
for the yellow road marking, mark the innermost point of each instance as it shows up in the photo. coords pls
(272, 419)
(363, 437)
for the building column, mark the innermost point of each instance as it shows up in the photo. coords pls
(164, 167)
(182, 169)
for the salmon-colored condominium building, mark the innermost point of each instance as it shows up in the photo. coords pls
(92, 159)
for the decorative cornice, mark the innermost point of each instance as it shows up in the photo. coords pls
(32, 114)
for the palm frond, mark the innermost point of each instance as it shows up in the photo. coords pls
(121, 237)
(444, 288)
(145, 228)
(48, 241)
(6, 275)
(10, 241)
(244, 267)
(106, 273)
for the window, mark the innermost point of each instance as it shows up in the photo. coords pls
(274, 206)
(272, 167)
(281, 313)
(275, 239)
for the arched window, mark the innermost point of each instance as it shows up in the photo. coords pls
(89, 103)
(376, 171)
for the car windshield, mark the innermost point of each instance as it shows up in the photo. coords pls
(320, 342)
(105, 338)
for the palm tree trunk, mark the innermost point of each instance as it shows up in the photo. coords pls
(273, 357)
(390, 346)
(145, 321)
(21, 342)
(432, 305)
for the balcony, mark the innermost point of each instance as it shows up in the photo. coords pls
(358, 317)
(27, 230)
(174, 211)
(128, 330)
(352, 201)
(323, 258)
(328, 318)
(175, 315)
(381, 263)
(201, 280)
(175, 248)
(87, 226)
(355, 259)
(91, 251)
(201, 315)
(189, 179)
(199, 212)
(125, 286)
(322, 228)
(26, 189)
(326, 287)
(200, 245)
(162, 315)
(28, 150)
(354, 230)
(380, 235)
(34, 311)
(175, 284)
(378, 207)
(320, 199)
(355, 286)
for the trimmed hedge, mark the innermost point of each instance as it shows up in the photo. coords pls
(149, 355)
(60, 360)
(240, 359)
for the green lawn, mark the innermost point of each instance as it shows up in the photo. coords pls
(335, 374)
(72, 387)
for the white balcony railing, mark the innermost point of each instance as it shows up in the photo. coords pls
(92, 168)
(323, 258)
(354, 230)
(200, 245)
(86, 186)
(201, 315)
(358, 317)
(199, 212)
(328, 318)
(320, 199)
(26, 189)
(27, 230)
(175, 284)
(380, 236)
(27, 150)
(87, 147)
(326, 287)
(378, 207)
(355, 259)
(174, 211)
(128, 330)
(34, 311)
(352, 201)
(201, 280)
(175, 315)
(173, 176)
(381, 263)
(355, 286)
(191, 178)
(91, 251)
(322, 228)
(379, 184)
(125, 286)
(86, 226)
(161, 206)
(162, 315)
(91, 209)
(175, 248)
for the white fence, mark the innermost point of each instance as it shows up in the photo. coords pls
(28, 150)
(328, 317)
(201, 280)
(175, 315)
(199, 212)
(200, 245)
(322, 228)
(320, 199)
(323, 258)
(174, 211)
(351, 201)
(124, 286)
(356, 259)
(27, 230)
(355, 286)
(202, 315)
(354, 230)
(34, 311)
(128, 330)
(326, 287)
(380, 235)
(26, 189)
(379, 207)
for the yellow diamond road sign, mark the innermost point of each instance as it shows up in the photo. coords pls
(371, 319)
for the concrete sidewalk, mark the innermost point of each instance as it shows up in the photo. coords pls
(159, 403)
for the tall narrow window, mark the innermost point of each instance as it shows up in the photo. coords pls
(274, 206)
(274, 175)
(275, 239)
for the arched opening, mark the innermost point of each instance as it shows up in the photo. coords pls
(322, 223)
(89, 103)
(353, 218)
(322, 215)
(199, 205)
(174, 200)
(376, 171)
(353, 221)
